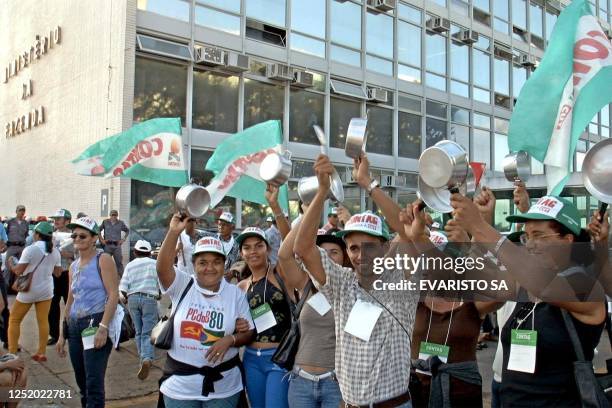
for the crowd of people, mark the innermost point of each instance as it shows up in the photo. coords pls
(300, 300)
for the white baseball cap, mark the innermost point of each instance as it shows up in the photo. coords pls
(142, 246)
(85, 222)
(209, 244)
(368, 223)
(227, 217)
(251, 232)
(269, 219)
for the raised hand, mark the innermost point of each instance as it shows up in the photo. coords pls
(361, 171)
(485, 202)
(521, 196)
(323, 169)
(599, 230)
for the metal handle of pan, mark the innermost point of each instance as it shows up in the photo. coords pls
(602, 210)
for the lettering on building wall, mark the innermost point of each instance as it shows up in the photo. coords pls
(32, 119)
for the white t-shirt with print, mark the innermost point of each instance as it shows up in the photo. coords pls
(42, 281)
(183, 261)
(198, 322)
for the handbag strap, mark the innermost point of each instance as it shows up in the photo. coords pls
(300, 304)
(571, 329)
(189, 285)
(38, 264)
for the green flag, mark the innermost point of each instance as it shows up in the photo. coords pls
(572, 83)
(236, 162)
(150, 151)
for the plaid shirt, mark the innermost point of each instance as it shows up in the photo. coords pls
(377, 370)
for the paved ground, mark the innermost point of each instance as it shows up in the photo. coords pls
(123, 389)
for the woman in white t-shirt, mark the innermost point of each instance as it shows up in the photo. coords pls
(42, 260)
(202, 366)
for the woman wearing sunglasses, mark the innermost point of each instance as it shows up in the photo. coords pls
(41, 260)
(92, 300)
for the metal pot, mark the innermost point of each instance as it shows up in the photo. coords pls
(469, 188)
(438, 199)
(517, 166)
(597, 173)
(444, 165)
(192, 200)
(308, 186)
(356, 138)
(276, 168)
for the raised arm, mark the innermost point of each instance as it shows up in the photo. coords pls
(281, 222)
(294, 276)
(165, 259)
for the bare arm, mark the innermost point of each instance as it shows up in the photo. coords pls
(109, 279)
(167, 252)
(272, 199)
(295, 278)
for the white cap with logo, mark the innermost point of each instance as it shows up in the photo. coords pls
(142, 246)
(227, 217)
(209, 244)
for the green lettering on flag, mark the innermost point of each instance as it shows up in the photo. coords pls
(571, 84)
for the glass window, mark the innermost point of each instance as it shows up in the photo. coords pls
(482, 4)
(346, 24)
(215, 101)
(345, 56)
(150, 206)
(379, 65)
(535, 19)
(461, 135)
(218, 20)
(605, 115)
(160, 90)
(305, 111)
(502, 76)
(501, 212)
(519, 13)
(230, 5)
(551, 20)
(440, 2)
(460, 88)
(501, 151)
(307, 45)
(341, 113)
(308, 16)
(436, 109)
(481, 95)
(436, 81)
(483, 121)
(170, 8)
(519, 77)
(436, 53)
(409, 135)
(461, 6)
(410, 103)
(501, 125)
(460, 115)
(268, 11)
(482, 68)
(379, 34)
(481, 146)
(435, 130)
(500, 9)
(409, 13)
(379, 130)
(409, 44)
(262, 102)
(460, 62)
(409, 74)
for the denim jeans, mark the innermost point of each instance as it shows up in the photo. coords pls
(305, 393)
(143, 310)
(267, 384)
(89, 365)
(495, 394)
(229, 402)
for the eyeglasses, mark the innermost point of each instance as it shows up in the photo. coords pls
(536, 237)
(80, 236)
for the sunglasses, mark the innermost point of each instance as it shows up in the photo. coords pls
(80, 236)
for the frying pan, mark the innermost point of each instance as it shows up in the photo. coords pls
(597, 173)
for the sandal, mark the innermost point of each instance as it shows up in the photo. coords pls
(39, 357)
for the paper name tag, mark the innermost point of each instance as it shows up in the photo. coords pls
(523, 351)
(362, 319)
(88, 336)
(319, 303)
(263, 317)
(427, 350)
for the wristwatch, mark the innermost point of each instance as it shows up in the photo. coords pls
(373, 184)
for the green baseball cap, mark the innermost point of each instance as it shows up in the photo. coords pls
(552, 208)
(44, 228)
(85, 222)
(62, 213)
(368, 223)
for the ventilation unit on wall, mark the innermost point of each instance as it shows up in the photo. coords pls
(382, 5)
(303, 79)
(526, 60)
(378, 95)
(235, 62)
(279, 72)
(211, 56)
(466, 36)
(438, 24)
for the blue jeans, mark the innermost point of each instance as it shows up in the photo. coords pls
(229, 402)
(143, 310)
(304, 393)
(265, 382)
(89, 365)
(495, 394)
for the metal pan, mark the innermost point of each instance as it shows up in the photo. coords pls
(337, 190)
(356, 138)
(276, 168)
(597, 173)
(438, 199)
(517, 166)
(192, 200)
(444, 165)
(308, 186)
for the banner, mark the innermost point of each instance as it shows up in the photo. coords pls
(236, 163)
(571, 84)
(150, 151)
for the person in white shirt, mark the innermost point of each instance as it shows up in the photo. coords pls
(42, 261)
(140, 286)
(202, 366)
(184, 247)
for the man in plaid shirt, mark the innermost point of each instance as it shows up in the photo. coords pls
(373, 369)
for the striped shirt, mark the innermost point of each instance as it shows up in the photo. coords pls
(140, 276)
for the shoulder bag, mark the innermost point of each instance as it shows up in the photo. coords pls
(595, 391)
(23, 282)
(162, 333)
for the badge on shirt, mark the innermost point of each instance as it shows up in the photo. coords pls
(427, 350)
(263, 317)
(362, 319)
(523, 350)
(319, 303)
(87, 337)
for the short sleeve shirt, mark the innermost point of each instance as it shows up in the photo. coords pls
(42, 282)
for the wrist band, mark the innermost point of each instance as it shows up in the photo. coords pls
(103, 325)
(500, 242)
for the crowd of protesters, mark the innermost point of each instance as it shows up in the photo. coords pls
(300, 299)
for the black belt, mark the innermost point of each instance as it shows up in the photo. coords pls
(390, 403)
(15, 243)
(143, 294)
